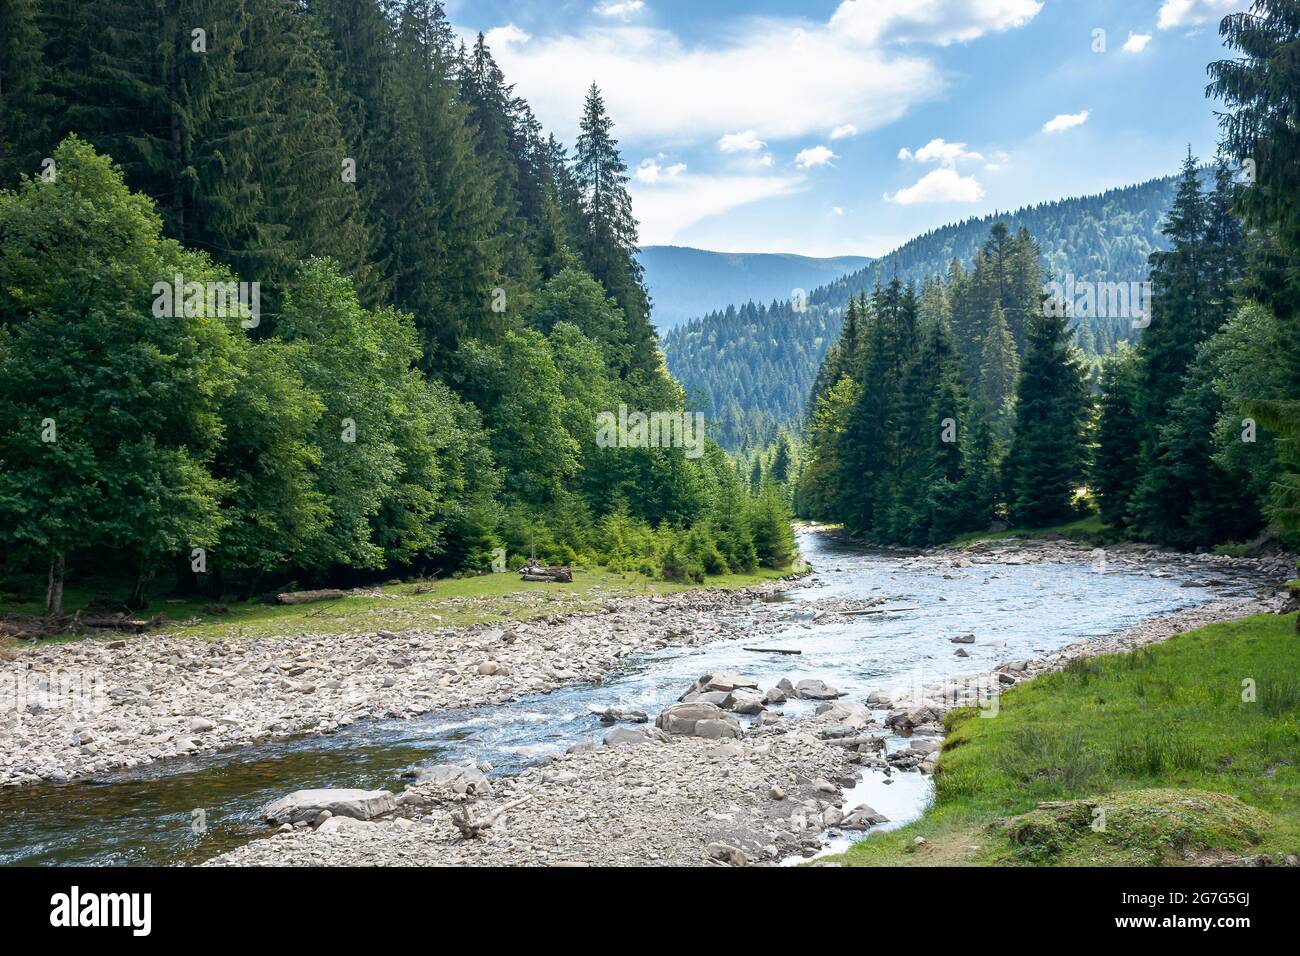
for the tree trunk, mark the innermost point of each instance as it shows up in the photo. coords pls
(54, 588)
(139, 599)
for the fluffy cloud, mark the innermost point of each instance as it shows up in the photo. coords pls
(1190, 13)
(1066, 121)
(939, 186)
(671, 205)
(746, 142)
(940, 151)
(940, 22)
(622, 8)
(816, 156)
(650, 171)
(845, 131)
(1136, 42)
(769, 78)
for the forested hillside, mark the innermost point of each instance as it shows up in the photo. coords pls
(436, 302)
(753, 365)
(686, 283)
(946, 405)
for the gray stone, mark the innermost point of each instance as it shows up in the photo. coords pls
(449, 777)
(303, 806)
(631, 737)
(815, 690)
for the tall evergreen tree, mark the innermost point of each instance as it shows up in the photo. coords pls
(609, 242)
(1045, 463)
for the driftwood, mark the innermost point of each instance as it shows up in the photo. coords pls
(308, 597)
(770, 650)
(882, 610)
(538, 572)
(118, 622)
(471, 827)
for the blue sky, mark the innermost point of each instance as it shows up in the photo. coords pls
(836, 127)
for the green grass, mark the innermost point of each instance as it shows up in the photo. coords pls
(454, 602)
(1088, 530)
(1158, 744)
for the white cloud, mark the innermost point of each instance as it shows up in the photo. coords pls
(767, 161)
(1066, 121)
(765, 77)
(746, 142)
(938, 186)
(651, 171)
(837, 211)
(940, 151)
(1136, 42)
(940, 22)
(816, 156)
(624, 8)
(1190, 13)
(842, 132)
(667, 208)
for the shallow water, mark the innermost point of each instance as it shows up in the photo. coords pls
(148, 816)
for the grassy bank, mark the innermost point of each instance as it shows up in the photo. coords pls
(1147, 758)
(455, 602)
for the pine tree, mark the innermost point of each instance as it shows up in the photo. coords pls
(609, 242)
(1116, 464)
(1046, 460)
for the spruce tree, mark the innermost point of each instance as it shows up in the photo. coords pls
(1045, 463)
(609, 241)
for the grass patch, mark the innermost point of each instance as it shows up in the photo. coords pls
(457, 602)
(1087, 530)
(1166, 742)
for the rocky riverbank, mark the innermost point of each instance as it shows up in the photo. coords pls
(708, 793)
(80, 708)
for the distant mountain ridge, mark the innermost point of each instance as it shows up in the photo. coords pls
(752, 365)
(686, 283)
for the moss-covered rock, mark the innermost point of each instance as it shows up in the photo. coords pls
(1134, 828)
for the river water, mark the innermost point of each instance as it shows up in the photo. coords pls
(148, 816)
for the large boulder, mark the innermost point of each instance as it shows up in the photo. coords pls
(845, 712)
(815, 690)
(744, 701)
(306, 805)
(721, 681)
(685, 719)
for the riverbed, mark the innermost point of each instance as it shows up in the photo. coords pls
(187, 809)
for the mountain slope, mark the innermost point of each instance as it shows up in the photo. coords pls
(686, 283)
(752, 366)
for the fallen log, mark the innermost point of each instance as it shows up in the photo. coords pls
(308, 597)
(117, 622)
(883, 610)
(770, 650)
(537, 572)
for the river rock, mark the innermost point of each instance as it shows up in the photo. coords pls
(815, 690)
(725, 853)
(303, 806)
(617, 715)
(775, 695)
(467, 779)
(744, 701)
(630, 737)
(963, 639)
(845, 712)
(686, 719)
(721, 681)
(862, 818)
